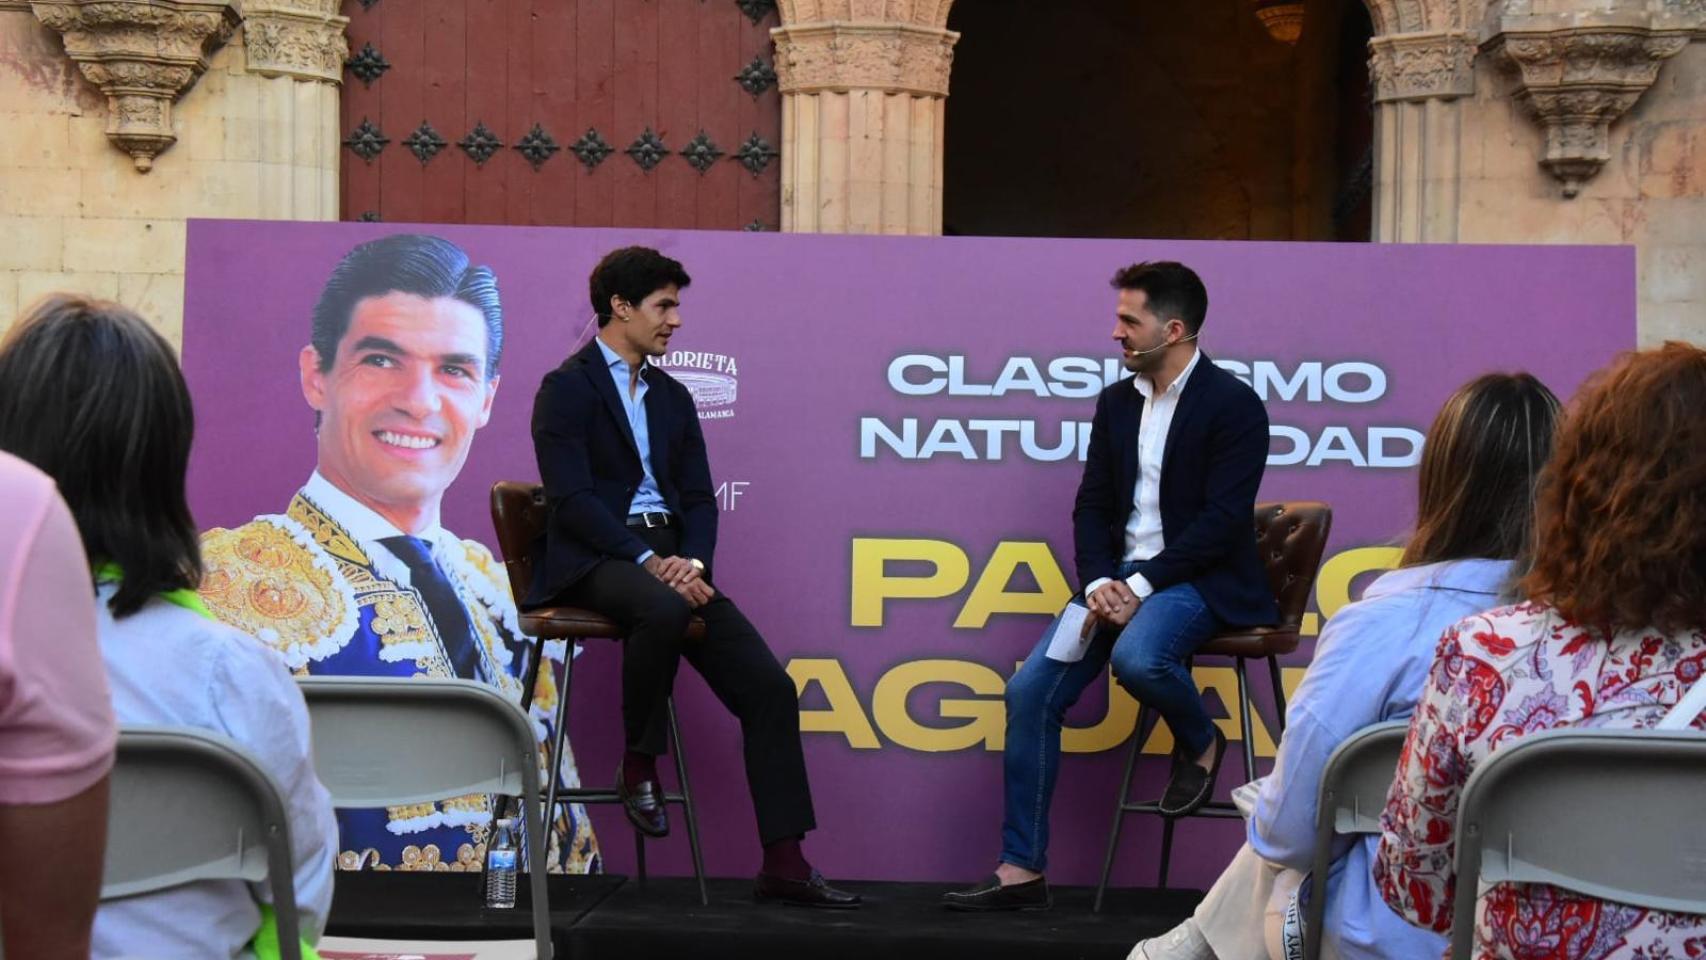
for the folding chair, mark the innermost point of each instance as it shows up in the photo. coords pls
(1354, 785)
(188, 805)
(1290, 538)
(389, 741)
(1612, 814)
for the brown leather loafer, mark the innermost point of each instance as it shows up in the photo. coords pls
(643, 803)
(990, 896)
(803, 893)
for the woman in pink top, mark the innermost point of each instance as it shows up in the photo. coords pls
(1613, 635)
(56, 724)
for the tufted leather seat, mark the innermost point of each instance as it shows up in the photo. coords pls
(1290, 537)
(519, 515)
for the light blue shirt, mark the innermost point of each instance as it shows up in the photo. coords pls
(171, 667)
(1370, 665)
(647, 499)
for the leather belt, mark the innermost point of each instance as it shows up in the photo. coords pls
(651, 519)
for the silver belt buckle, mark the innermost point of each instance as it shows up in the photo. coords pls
(649, 515)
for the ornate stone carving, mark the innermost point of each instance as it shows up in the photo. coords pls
(1578, 79)
(303, 39)
(921, 13)
(143, 54)
(1422, 66)
(897, 58)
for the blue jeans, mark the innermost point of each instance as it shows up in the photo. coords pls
(1148, 659)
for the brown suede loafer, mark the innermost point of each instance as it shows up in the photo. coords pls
(643, 803)
(990, 896)
(815, 892)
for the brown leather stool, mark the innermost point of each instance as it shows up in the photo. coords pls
(1290, 537)
(519, 514)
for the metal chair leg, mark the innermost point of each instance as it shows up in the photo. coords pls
(559, 735)
(1279, 692)
(1166, 850)
(687, 804)
(1119, 809)
(1244, 708)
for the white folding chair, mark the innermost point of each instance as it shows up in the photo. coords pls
(1353, 792)
(388, 741)
(1612, 814)
(188, 805)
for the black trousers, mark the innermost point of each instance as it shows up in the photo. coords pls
(736, 664)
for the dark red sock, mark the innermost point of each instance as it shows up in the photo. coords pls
(784, 859)
(638, 767)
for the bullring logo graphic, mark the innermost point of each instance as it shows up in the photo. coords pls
(710, 377)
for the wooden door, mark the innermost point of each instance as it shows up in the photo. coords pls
(642, 113)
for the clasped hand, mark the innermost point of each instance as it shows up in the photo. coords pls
(680, 575)
(1112, 604)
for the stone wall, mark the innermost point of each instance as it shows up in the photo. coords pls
(1650, 193)
(77, 214)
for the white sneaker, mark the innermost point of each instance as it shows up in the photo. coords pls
(1183, 942)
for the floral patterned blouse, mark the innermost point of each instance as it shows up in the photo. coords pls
(1504, 674)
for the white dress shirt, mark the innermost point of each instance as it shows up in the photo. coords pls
(173, 667)
(1143, 538)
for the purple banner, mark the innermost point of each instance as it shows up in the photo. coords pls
(895, 426)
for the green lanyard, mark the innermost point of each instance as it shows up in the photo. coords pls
(265, 943)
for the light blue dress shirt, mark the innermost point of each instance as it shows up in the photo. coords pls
(647, 499)
(1370, 665)
(168, 666)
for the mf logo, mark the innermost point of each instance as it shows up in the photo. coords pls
(710, 377)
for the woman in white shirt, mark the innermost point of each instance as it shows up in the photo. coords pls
(92, 396)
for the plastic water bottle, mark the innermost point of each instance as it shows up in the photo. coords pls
(501, 867)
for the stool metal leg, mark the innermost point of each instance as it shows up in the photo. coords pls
(559, 735)
(1279, 692)
(1167, 824)
(1244, 708)
(1119, 809)
(687, 804)
(640, 855)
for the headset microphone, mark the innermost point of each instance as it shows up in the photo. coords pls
(1161, 346)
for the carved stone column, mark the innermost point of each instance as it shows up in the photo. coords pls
(1418, 80)
(1578, 75)
(863, 86)
(301, 39)
(143, 54)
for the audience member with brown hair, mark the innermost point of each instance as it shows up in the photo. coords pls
(1613, 634)
(93, 397)
(1474, 507)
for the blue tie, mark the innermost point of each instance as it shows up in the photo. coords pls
(445, 608)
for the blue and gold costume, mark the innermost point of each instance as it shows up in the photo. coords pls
(337, 602)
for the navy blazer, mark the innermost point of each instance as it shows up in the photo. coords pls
(1211, 467)
(590, 467)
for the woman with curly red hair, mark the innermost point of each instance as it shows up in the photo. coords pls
(1613, 634)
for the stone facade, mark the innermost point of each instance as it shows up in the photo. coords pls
(1569, 121)
(237, 117)
(864, 86)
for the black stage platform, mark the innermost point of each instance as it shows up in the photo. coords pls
(599, 917)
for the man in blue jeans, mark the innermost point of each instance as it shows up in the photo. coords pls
(1164, 541)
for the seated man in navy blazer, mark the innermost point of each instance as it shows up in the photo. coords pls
(1165, 545)
(631, 531)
